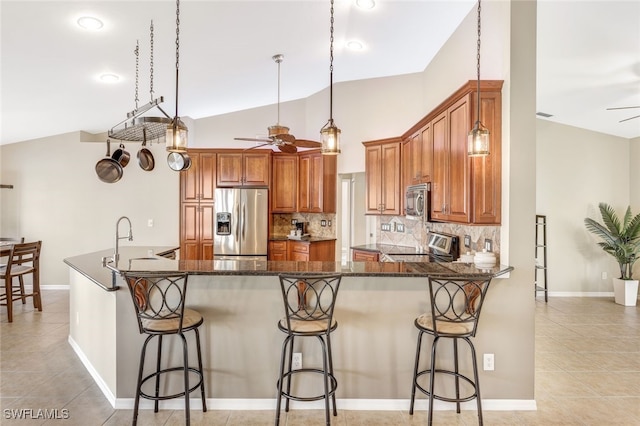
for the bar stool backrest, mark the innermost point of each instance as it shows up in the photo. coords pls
(24, 258)
(456, 304)
(158, 300)
(309, 301)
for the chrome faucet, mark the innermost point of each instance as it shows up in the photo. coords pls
(116, 254)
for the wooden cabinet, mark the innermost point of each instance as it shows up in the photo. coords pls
(302, 251)
(284, 183)
(451, 184)
(198, 183)
(463, 189)
(196, 231)
(277, 250)
(317, 181)
(382, 174)
(197, 190)
(364, 256)
(419, 160)
(243, 168)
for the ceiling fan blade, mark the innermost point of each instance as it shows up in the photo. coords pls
(257, 146)
(630, 118)
(627, 107)
(285, 137)
(304, 143)
(289, 149)
(266, 141)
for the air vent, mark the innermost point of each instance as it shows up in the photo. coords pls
(544, 114)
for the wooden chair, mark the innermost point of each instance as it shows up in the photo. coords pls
(10, 240)
(23, 259)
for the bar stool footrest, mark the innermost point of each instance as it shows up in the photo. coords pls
(333, 385)
(172, 396)
(473, 396)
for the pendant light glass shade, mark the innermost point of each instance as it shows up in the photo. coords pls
(177, 135)
(478, 139)
(330, 139)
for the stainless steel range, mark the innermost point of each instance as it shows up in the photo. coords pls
(441, 247)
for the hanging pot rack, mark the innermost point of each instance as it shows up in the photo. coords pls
(136, 128)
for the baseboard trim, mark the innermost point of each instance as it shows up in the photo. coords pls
(421, 404)
(96, 377)
(580, 294)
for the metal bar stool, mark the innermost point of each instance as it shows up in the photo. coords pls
(159, 302)
(23, 259)
(455, 310)
(309, 303)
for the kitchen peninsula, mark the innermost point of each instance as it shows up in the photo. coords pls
(241, 303)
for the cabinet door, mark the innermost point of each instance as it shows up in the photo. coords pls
(364, 256)
(189, 233)
(284, 183)
(311, 183)
(229, 169)
(459, 183)
(487, 171)
(373, 176)
(278, 250)
(304, 183)
(256, 169)
(415, 163)
(426, 154)
(207, 179)
(390, 184)
(440, 138)
(189, 186)
(206, 231)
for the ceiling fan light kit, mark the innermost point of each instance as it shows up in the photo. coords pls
(330, 132)
(478, 139)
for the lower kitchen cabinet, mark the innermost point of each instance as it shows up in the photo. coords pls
(365, 256)
(196, 231)
(302, 251)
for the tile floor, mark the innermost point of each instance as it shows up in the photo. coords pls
(587, 373)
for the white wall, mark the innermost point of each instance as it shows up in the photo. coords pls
(57, 198)
(577, 169)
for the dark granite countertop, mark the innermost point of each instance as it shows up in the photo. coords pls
(137, 259)
(388, 249)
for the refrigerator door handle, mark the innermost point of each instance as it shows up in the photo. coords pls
(244, 215)
(236, 222)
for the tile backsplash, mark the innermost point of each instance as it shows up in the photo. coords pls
(281, 223)
(415, 233)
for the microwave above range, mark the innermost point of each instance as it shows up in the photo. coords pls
(417, 202)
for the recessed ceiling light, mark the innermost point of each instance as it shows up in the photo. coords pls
(365, 4)
(354, 45)
(89, 23)
(109, 78)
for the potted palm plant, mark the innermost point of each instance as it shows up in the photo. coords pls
(621, 239)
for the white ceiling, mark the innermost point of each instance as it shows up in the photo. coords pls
(588, 57)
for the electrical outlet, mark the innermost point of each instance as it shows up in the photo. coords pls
(488, 244)
(150, 223)
(467, 241)
(385, 227)
(294, 221)
(399, 227)
(296, 362)
(604, 275)
(488, 362)
(323, 222)
(329, 222)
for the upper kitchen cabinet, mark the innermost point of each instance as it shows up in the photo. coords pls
(466, 189)
(284, 183)
(317, 179)
(239, 168)
(198, 183)
(382, 174)
(417, 162)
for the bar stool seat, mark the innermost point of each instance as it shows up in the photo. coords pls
(309, 302)
(159, 302)
(455, 310)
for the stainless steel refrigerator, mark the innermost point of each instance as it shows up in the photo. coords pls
(241, 224)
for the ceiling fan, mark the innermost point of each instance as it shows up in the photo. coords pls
(627, 107)
(279, 135)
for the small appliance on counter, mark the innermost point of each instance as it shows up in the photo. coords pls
(300, 232)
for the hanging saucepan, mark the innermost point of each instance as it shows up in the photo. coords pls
(145, 157)
(121, 156)
(108, 169)
(178, 161)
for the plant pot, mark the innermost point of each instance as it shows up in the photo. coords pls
(625, 292)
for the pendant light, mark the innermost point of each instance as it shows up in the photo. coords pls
(478, 139)
(330, 132)
(176, 139)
